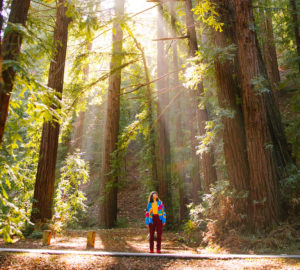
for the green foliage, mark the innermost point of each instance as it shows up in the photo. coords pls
(206, 12)
(36, 235)
(291, 117)
(261, 85)
(122, 222)
(290, 190)
(69, 199)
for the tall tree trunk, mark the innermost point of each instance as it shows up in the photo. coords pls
(293, 4)
(227, 90)
(149, 104)
(45, 177)
(78, 127)
(11, 46)
(196, 170)
(268, 45)
(179, 135)
(263, 176)
(164, 153)
(108, 181)
(193, 47)
(207, 159)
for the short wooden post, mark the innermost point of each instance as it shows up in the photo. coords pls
(91, 239)
(46, 237)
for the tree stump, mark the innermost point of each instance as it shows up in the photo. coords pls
(46, 237)
(90, 239)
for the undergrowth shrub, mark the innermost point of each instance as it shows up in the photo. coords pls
(290, 190)
(216, 214)
(69, 206)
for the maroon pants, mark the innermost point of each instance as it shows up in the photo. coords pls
(156, 225)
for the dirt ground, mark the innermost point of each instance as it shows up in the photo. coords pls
(124, 240)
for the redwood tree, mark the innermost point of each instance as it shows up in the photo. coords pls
(179, 134)
(150, 116)
(108, 181)
(227, 91)
(207, 158)
(164, 154)
(263, 175)
(45, 177)
(268, 45)
(78, 126)
(11, 46)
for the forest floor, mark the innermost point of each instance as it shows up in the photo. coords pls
(131, 236)
(126, 240)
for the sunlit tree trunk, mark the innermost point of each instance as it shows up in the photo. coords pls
(149, 101)
(108, 181)
(179, 134)
(196, 176)
(11, 46)
(227, 91)
(45, 177)
(151, 136)
(268, 45)
(78, 127)
(259, 132)
(163, 145)
(294, 9)
(207, 159)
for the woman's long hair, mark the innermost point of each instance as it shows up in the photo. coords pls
(150, 198)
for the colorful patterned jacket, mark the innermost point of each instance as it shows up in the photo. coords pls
(161, 213)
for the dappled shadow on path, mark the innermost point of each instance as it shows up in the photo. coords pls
(122, 239)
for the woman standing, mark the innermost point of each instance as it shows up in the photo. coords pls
(155, 219)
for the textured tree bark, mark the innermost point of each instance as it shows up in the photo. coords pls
(179, 135)
(108, 181)
(269, 48)
(163, 144)
(281, 149)
(11, 46)
(296, 26)
(207, 159)
(262, 165)
(45, 177)
(227, 91)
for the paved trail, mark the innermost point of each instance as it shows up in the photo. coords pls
(163, 255)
